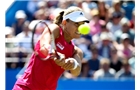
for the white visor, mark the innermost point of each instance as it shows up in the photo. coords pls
(77, 16)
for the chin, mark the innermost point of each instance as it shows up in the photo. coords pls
(77, 36)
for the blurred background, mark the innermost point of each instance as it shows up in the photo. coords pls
(109, 48)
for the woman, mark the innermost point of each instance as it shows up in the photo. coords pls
(103, 10)
(43, 74)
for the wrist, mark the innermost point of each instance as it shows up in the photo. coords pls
(76, 64)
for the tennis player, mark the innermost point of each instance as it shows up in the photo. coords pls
(45, 67)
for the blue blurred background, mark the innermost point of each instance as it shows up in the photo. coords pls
(109, 46)
(79, 84)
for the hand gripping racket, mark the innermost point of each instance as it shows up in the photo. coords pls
(51, 34)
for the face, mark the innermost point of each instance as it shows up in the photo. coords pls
(116, 20)
(21, 20)
(126, 42)
(106, 42)
(113, 53)
(96, 18)
(125, 28)
(104, 29)
(95, 54)
(105, 67)
(117, 6)
(72, 28)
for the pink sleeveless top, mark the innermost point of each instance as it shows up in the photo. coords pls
(43, 75)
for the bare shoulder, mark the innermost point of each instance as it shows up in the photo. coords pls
(54, 29)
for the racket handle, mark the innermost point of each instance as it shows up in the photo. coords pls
(57, 54)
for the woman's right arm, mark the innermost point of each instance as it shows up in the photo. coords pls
(45, 39)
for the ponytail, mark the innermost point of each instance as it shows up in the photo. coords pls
(58, 19)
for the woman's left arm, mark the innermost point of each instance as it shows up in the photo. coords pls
(78, 56)
(74, 64)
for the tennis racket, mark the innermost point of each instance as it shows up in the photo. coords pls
(51, 34)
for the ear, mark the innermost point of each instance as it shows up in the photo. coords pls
(64, 22)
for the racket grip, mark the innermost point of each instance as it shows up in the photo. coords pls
(57, 54)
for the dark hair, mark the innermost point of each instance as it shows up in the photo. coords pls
(93, 48)
(58, 19)
(116, 15)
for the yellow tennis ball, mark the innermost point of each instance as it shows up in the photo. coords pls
(84, 29)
